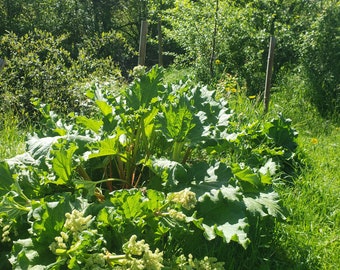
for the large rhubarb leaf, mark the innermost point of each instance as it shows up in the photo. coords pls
(223, 207)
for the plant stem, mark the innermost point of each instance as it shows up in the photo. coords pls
(177, 149)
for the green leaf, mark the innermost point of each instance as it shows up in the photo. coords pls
(280, 131)
(143, 90)
(23, 159)
(62, 163)
(206, 177)
(105, 147)
(105, 108)
(264, 204)
(246, 175)
(28, 254)
(171, 172)
(48, 218)
(24, 255)
(40, 147)
(236, 232)
(11, 208)
(6, 179)
(223, 217)
(89, 123)
(149, 124)
(155, 199)
(177, 121)
(129, 202)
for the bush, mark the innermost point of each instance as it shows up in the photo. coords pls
(241, 36)
(39, 67)
(321, 59)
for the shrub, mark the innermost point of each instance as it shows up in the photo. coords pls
(321, 59)
(39, 67)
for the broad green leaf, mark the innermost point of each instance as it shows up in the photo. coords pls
(247, 175)
(171, 172)
(106, 147)
(90, 186)
(149, 122)
(24, 255)
(223, 217)
(105, 108)
(176, 122)
(28, 254)
(62, 163)
(267, 170)
(6, 179)
(264, 204)
(132, 206)
(129, 202)
(206, 177)
(143, 90)
(230, 193)
(23, 159)
(40, 147)
(155, 199)
(280, 130)
(89, 123)
(49, 217)
(236, 232)
(11, 208)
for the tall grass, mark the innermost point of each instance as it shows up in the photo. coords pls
(12, 138)
(311, 236)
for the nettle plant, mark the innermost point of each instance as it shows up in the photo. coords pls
(141, 183)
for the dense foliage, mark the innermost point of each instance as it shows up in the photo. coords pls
(41, 68)
(214, 36)
(321, 59)
(91, 186)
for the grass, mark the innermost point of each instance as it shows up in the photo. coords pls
(12, 138)
(311, 235)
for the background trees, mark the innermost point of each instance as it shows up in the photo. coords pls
(307, 34)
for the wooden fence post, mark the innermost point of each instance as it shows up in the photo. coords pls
(142, 43)
(269, 73)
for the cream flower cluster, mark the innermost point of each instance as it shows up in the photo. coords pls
(76, 222)
(208, 263)
(146, 258)
(138, 71)
(95, 261)
(60, 243)
(5, 234)
(177, 214)
(184, 197)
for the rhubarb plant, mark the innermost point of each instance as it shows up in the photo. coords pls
(161, 163)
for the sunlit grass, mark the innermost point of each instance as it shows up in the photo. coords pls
(311, 236)
(12, 138)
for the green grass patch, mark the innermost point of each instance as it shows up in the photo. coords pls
(12, 138)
